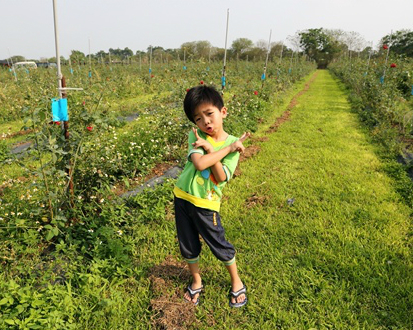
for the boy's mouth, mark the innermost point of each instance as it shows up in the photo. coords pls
(209, 129)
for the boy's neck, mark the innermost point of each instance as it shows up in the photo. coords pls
(219, 136)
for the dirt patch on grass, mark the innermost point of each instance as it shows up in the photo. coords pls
(280, 120)
(255, 200)
(249, 152)
(157, 171)
(170, 309)
(286, 114)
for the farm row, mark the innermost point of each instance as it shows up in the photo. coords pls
(382, 93)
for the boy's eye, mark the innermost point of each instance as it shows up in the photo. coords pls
(210, 113)
(197, 119)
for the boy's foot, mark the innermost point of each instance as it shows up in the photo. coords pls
(238, 298)
(192, 295)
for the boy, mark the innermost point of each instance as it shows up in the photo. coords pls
(212, 159)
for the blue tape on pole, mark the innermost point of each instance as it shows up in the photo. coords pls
(263, 76)
(184, 67)
(90, 74)
(223, 80)
(59, 110)
(289, 70)
(71, 70)
(150, 70)
(381, 79)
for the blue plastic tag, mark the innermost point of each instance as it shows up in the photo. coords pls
(412, 90)
(150, 70)
(263, 76)
(90, 74)
(381, 79)
(289, 70)
(208, 68)
(223, 80)
(71, 70)
(59, 110)
(184, 67)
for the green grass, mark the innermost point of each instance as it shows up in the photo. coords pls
(340, 257)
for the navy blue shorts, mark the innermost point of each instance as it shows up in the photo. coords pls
(192, 221)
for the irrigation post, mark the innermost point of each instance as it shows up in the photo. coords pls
(12, 66)
(266, 61)
(90, 65)
(387, 57)
(223, 79)
(56, 38)
(150, 65)
(62, 89)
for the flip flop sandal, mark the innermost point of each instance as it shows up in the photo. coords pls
(235, 295)
(192, 294)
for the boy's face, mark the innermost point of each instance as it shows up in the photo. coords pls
(209, 118)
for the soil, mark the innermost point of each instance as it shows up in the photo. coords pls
(171, 311)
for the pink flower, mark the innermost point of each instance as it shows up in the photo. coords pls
(84, 102)
(89, 128)
(201, 82)
(393, 65)
(255, 93)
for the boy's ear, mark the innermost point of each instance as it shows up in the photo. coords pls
(224, 112)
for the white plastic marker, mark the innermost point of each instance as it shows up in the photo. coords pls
(223, 78)
(266, 60)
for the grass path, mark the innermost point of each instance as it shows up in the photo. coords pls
(323, 239)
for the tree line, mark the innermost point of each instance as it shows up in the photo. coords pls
(319, 44)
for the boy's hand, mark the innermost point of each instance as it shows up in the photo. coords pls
(201, 143)
(237, 145)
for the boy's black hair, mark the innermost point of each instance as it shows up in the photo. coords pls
(199, 95)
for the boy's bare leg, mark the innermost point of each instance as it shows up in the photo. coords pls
(196, 281)
(236, 283)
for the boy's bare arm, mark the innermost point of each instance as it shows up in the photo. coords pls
(213, 158)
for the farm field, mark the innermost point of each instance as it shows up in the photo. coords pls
(319, 207)
(323, 239)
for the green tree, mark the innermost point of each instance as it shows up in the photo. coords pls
(240, 47)
(401, 42)
(77, 57)
(319, 46)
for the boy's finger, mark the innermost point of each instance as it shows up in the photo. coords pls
(195, 132)
(244, 136)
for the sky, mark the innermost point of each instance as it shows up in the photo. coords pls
(28, 29)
